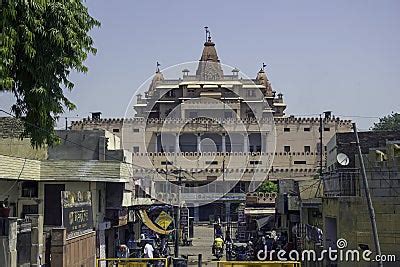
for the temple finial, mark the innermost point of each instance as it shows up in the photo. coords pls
(158, 67)
(263, 66)
(207, 32)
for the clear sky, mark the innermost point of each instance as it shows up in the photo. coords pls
(342, 55)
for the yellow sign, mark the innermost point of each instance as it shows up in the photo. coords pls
(164, 220)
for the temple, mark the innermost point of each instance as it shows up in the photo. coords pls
(191, 123)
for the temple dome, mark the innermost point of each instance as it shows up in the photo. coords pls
(158, 77)
(209, 52)
(263, 79)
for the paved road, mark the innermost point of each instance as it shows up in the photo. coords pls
(202, 242)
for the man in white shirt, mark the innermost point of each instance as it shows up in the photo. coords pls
(148, 251)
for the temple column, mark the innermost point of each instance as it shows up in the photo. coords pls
(156, 144)
(245, 142)
(176, 142)
(198, 143)
(264, 142)
(223, 143)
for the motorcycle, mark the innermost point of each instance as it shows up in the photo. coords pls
(230, 253)
(218, 253)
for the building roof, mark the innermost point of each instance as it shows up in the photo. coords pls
(11, 127)
(13, 168)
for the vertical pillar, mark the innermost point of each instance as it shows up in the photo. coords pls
(196, 218)
(245, 142)
(176, 142)
(264, 142)
(37, 257)
(58, 243)
(198, 143)
(223, 143)
(156, 143)
(102, 148)
(227, 211)
(8, 238)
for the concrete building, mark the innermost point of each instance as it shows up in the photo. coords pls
(84, 161)
(197, 118)
(340, 209)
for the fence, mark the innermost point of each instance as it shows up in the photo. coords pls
(383, 182)
(133, 262)
(258, 263)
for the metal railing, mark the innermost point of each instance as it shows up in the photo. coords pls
(383, 182)
(132, 262)
(342, 183)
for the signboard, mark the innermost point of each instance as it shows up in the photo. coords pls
(184, 223)
(294, 203)
(164, 220)
(77, 216)
(122, 216)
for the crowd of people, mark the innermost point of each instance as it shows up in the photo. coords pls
(155, 246)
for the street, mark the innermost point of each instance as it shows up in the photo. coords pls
(202, 242)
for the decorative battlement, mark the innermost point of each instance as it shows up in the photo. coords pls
(139, 120)
(222, 154)
(194, 171)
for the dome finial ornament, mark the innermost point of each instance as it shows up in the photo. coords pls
(207, 33)
(263, 66)
(158, 67)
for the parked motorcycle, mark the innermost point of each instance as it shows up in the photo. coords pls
(218, 253)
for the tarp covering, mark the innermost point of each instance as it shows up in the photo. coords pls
(148, 222)
(264, 221)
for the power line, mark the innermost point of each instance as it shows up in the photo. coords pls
(77, 144)
(16, 181)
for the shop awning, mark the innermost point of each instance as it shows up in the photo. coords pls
(259, 211)
(148, 222)
(264, 221)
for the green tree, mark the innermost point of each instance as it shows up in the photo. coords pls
(388, 123)
(268, 187)
(42, 41)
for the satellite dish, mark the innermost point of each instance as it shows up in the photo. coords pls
(343, 159)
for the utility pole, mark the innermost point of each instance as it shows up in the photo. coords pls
(178, 215)
(321, 129)
(368, 196)
(66, 123)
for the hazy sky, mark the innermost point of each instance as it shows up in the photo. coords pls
(342, 56)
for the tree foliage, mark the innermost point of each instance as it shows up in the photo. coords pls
(42, 41)
(388, 123)
(268, 187)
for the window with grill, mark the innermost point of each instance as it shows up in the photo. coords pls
(29, 189)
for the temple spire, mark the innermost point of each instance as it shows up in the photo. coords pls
(209, 67)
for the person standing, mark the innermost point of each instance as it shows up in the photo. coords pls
(148, 251)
